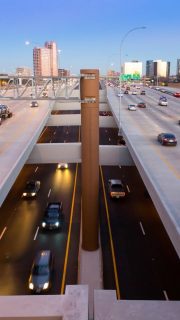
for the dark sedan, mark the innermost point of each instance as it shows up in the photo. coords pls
(167, 139)
(31, 189)
(53, 216)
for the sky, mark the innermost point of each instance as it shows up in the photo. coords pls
(89, 33)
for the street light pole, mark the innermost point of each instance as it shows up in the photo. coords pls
(120, 74)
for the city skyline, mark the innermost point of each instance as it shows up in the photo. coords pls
(88, 34)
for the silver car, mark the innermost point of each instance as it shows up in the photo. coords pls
(40, 279)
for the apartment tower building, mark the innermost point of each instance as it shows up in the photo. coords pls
(45, 60)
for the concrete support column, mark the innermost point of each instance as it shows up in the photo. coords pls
(89, 89)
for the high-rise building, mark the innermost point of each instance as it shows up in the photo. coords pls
(45, 60)
(178, 69)
(51, 45)
(149, 68)
(157, 68)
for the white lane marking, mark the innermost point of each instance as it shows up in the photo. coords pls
(3, 232)
(165, 294)
(54, 132)
(49, 193)
(128, 188)
(50, 141)
(36, 169)
(142, 229)
(36, 233)
(119, 167)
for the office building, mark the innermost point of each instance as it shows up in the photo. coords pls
(149, 68)
(45, 60)
(178, 69)
(51, 45)
(157, 68)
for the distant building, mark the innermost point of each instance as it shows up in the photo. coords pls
(53, 57)
(63, 73)
(178, 69)
(149, 68)
(112, 73)
(23, 71)
(133, 67)
(157, 68)
(45, 61)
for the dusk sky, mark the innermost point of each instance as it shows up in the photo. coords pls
(89, 32)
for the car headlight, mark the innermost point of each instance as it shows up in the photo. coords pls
(57, 224)
(46, 285)
(33, 194)
(31, 286)
(24, 194)
(43, 224)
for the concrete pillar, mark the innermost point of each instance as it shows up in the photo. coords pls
(89, 89)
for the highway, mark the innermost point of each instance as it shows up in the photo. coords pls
(146, 262)
(158, 165)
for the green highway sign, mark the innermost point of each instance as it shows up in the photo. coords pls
(126, 77)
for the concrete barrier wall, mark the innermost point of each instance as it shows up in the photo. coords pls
(71, 153)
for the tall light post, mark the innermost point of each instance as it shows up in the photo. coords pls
(120, 74)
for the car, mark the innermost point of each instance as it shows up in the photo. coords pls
(126, 92)
(33, 104)
(53, 216)
(134, 92)
(141, 105)
(143, 92)
(62, 166)
(120, 94)
(5, 111)
(163, 101)
(132, 107)
(116, 188)
(40, 279)
(31, 189)
(176, 94)
(167, 139)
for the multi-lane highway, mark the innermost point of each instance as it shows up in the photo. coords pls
(139, 260)
(158, 165)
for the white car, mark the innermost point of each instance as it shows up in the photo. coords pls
(132, 107)
(134, 92)
(163, 101)
(120, 94)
